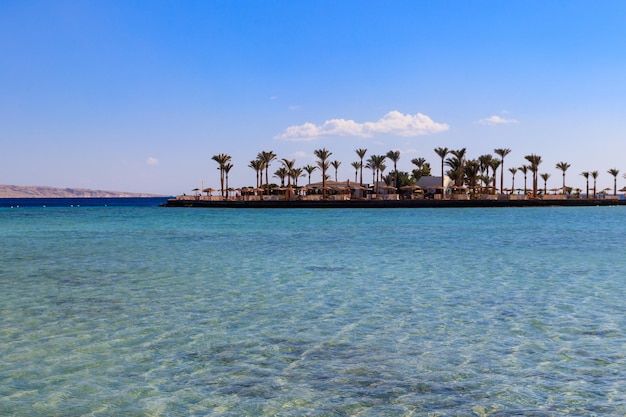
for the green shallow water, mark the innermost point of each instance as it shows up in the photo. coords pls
(145, 311)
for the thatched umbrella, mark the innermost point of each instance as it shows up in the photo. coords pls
(410, 187)
(290, 190)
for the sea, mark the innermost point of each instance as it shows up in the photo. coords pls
(126, 308)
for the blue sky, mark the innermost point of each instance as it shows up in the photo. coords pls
(138, 95)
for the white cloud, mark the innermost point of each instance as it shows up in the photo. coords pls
(495, 120)
(393, 123)
(152, 161)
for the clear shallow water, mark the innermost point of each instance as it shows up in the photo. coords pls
(147, 311)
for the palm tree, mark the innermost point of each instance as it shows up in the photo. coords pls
(524, 169)
(322, 163)
(485, 163)
(394, 156)
(227, 167)
(615, 173)
(258, 166)
(296, 173)
(563, 167)
(221, 159)
(502, 152)
(594, 175)
(420, 163)
(513, 171)
(422, 168)
(267, 157)
(442, 152)
(281, 173)
(356, 165)
(288, 164)
(535, 161)
(381, 170)
(471, 170)
(378, 164)
(335, 164)
(495, 163)
(455, 166)
(545, 177)
(361, 153)
(459, 156)
(370, 164)
(586, 175)
(309, 169)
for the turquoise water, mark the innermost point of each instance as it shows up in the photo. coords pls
(148, 311)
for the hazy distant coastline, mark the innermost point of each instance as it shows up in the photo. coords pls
(35, 191)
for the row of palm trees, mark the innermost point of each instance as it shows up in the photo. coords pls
(461, 170)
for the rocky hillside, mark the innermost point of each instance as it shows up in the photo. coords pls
(19, 191)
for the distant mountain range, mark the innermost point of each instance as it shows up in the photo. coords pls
(35, 191)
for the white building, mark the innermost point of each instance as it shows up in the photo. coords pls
(433, 184)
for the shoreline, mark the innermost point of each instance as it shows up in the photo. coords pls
(420, 203)
(12, 202)
(44, 191)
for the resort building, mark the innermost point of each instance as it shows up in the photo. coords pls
(432, 186)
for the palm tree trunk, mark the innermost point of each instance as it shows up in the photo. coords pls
(222, 182)
(395, 178)
(594, 188)
(377, 181)
(442, 174)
